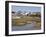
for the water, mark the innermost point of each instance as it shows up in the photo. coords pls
(24, 27)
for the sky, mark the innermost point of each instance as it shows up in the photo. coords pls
(26, 8)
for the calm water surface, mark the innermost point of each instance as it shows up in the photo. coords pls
(24, 27)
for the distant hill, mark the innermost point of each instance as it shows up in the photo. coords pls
(20, 13)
